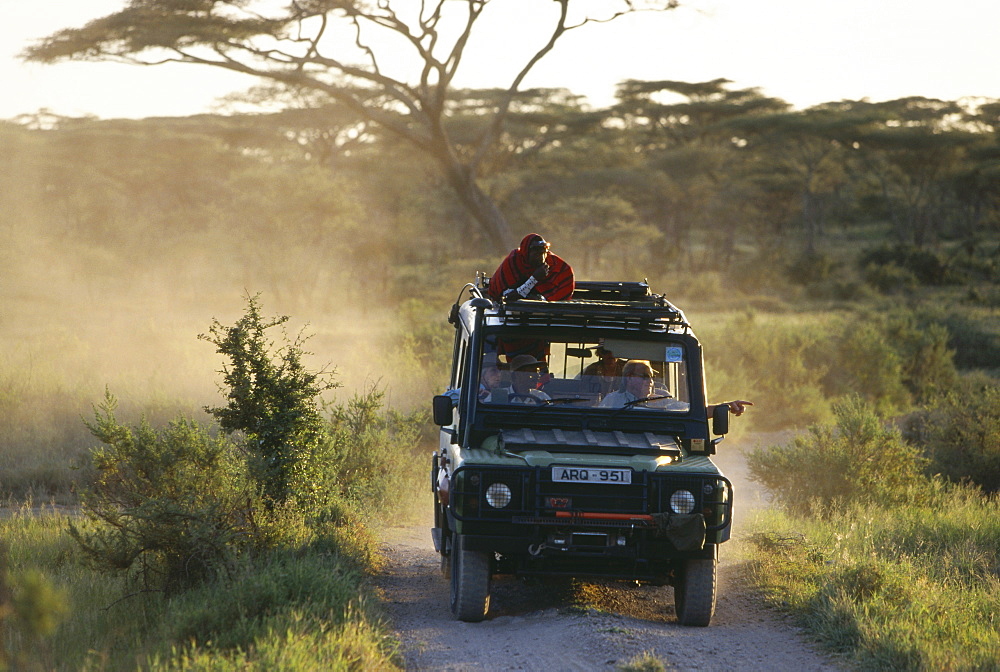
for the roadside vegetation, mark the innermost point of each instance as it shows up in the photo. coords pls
(246, 544)
(880, 544)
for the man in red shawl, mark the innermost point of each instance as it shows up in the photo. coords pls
(532, 271)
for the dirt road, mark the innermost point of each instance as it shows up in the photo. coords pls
(544, 627)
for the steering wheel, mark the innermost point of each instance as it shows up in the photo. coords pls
(530, 397)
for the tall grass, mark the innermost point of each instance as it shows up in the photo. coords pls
(901, 588)
(305, 609)
(888, 566)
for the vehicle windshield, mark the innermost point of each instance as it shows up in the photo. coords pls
(606, 373)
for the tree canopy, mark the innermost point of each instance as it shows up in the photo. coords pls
(357, 53)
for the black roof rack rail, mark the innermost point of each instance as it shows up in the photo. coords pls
(527, 312)
(590, 290)
(594, 304)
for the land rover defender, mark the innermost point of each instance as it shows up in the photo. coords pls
(540, 474)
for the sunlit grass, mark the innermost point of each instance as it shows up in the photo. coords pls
(908, 588)
(306, 609)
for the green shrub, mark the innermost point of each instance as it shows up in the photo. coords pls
(166, 508)
(890, 279)
(891, 360)
(865, 362)
(31, 608)
(858, 460)
(373, 454)
(272, 400)
(928, 363)
(975, 336)
(927, 266)
(960, 433)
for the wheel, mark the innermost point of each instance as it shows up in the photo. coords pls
(470, 582)
(525, 399)
(694, 592)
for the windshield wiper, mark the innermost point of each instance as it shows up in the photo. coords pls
(642, 401)
(629, 404)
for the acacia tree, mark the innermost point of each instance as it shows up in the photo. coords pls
(347, 50)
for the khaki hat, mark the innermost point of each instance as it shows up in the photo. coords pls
(524, 362)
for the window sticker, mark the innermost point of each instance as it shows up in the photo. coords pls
(674, 354)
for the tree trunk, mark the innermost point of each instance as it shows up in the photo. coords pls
(482, 207)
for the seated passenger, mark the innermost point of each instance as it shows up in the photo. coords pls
(637, 384)
(606, 372)
(489, 380)
(524, 375)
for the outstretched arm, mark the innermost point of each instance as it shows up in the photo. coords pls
(737, 407)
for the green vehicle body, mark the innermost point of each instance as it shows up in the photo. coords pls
(556, 483)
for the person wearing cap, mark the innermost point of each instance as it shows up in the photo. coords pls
(532, 271)
(525, 372)
(637, 384)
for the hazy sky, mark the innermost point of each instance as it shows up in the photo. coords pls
(803, 51)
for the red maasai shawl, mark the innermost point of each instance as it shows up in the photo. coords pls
(514, 270)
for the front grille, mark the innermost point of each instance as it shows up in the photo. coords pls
(537, 500)
(591, 497)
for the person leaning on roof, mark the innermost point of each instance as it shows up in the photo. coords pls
(637, 384)
(532, 271)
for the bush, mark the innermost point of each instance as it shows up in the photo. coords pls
(272, 400)
(975, 337)
(866, 360)
(892, 359)
(960, 433)
(858, 460)
(890, 278)
(928, 267)
(166, 508)
(372, 453)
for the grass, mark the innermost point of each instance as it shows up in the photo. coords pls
(300, 609)
(904, 588)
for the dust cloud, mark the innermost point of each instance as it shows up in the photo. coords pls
(82, 316)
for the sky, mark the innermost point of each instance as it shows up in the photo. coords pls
(803, 51)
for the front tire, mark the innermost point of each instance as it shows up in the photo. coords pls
(471, 572)
(694, 592)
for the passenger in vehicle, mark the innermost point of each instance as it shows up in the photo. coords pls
(531, 271)
(489, 380)
(637, 384)
(606, 372)
(525, 372)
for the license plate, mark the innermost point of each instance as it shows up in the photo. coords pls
(591, 475)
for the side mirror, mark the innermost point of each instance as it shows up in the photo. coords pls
(720, 419)
(442, 405)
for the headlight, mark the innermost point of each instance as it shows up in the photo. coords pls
(682, 501)
(498, 495)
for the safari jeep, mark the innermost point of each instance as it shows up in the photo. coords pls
(544, 477)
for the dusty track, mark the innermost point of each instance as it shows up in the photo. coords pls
(541, 627)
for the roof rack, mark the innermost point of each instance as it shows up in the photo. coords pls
(623, 305)
(587, 290)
